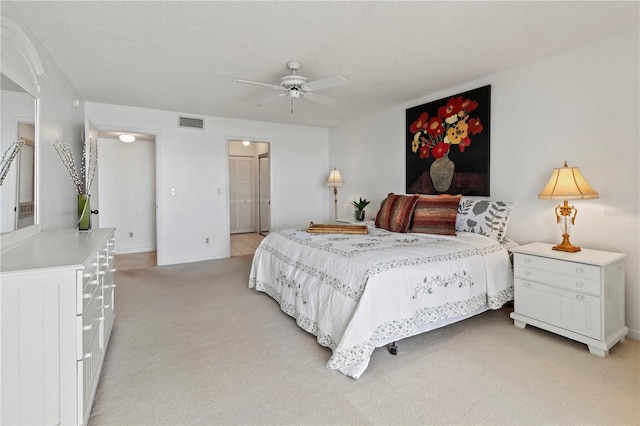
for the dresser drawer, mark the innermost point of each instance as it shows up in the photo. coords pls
(581, 270)
(566, 281)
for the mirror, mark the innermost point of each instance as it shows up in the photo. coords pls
(18, 192)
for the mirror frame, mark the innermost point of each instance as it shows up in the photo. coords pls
(21, 63)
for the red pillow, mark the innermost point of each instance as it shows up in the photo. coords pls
(436, 215)
(395, 212)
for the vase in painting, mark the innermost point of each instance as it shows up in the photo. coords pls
(441, 173)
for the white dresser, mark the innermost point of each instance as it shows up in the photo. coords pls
(57, 314)
(576, 295)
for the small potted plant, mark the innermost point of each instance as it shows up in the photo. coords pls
(360, 205)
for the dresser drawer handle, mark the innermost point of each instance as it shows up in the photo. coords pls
(94, 282)
(579, 270)
(112, 270)
(579, 297)
(579, 284)
(86, 295)
(528, 273)
(527, 284)
(86, 274)
(87, 327)
(87, 355)
(106, 306)
(527, 260)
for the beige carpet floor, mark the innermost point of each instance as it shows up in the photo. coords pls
(192, 344)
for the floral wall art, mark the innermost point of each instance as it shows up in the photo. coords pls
(448, 145)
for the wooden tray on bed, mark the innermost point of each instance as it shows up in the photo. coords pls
(337, 229)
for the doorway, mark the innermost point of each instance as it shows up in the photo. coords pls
(127, 196)
(249, 193)
(264, 194)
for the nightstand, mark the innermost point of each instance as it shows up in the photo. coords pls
(576, 295)
(353, 221)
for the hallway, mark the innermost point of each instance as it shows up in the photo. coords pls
(241, 245)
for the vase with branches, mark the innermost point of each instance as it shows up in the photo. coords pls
(82, 179)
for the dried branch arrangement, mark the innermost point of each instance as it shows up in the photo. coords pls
(84, 178)
(8, 156)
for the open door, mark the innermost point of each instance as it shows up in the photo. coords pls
(91, 136)
(264, 183)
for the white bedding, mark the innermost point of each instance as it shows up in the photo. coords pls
(358, 292)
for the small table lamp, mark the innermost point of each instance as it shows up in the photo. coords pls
(567, 183)
(335, 180)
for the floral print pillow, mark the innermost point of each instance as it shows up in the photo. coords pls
(484, 217)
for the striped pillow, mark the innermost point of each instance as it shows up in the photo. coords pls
(395, 212)
(436, 215)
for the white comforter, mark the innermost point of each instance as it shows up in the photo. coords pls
(355, 292)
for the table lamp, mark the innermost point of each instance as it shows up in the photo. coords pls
(566, 183)
(335, 180)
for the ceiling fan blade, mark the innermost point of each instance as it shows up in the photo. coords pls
(326, 83)
(260, 84)
(270, 99)
(320, 99)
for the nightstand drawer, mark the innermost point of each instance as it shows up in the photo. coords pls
(580, 270)
(561, 280)
(574, 312)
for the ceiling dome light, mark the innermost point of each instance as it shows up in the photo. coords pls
(246, 143)
(127, 138)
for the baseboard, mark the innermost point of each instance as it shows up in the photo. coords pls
(634, 334)
(134, 250)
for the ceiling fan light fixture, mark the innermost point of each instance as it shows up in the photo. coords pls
(294, 93)
(126, 138)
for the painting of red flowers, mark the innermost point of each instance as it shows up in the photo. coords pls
(447, 145)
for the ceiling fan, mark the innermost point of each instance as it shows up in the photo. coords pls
(295, 86)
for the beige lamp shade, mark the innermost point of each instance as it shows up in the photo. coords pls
(335, 179)
(567, 183)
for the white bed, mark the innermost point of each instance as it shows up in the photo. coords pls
(359, 292)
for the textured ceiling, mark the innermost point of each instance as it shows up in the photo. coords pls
(182, 55)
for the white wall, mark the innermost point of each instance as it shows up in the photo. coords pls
(195, 162)
(581, 106)
(127, 181)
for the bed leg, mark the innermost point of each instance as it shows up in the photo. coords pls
(392, 348)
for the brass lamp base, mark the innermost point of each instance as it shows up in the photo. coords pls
(566, 245)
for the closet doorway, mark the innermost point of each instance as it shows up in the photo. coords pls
(249, 194)
(264, 194)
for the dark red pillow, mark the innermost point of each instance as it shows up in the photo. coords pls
(395, 212)
(436, 214)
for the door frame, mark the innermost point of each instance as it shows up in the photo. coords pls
(270, 150)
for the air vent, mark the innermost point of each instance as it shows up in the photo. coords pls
(190, 122)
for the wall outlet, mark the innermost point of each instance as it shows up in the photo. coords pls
(206, 240)
(130, 234)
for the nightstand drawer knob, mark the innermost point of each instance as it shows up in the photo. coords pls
(579, 270)
(527, 273)
(527, 260)
(579, 297)
(527, 284)
(579, 284)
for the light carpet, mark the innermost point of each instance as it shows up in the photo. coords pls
(192, 344)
